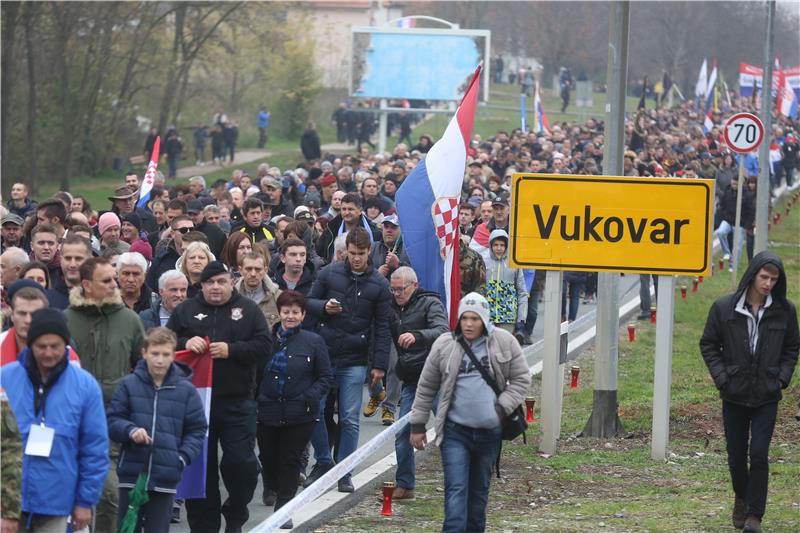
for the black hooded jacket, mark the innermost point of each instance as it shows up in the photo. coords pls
(742, 375)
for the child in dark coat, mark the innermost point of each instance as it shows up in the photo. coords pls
(158, 417)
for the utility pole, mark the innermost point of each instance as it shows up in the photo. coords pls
(604, 421)
(762, 190)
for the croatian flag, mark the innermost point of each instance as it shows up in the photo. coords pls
(149, 176)
(708, 123)
(542, 123)
(701, 87)
(427, 204)
(787, 100)
(193, 482)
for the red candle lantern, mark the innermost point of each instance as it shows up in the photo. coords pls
(721, 264)
(388, 490)
(530, 409)
(695, 282)
(683, 291)
(700, 278)
(631, 332)
(575, 371)
(653, 314)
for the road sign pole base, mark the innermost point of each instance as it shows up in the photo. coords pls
(604, 421)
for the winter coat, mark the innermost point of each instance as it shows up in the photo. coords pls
(27, 208)
(331, 231)
(308, 379)
(361, 331)
(58, 296)
(425, 318)
(306, 278)
(76, 469)
(505, 287)
(173, 416)
(380, 250)
(727, 206)
(440, 372)
(268, 304)
(743, 376)
(107, 335)
(164, 258)
(241, 324)
(216, 237)
(151, 317)
(310, 145)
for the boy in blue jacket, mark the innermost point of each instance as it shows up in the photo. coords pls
(157, 416)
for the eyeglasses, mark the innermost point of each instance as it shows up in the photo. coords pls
(401, 290)
(184, 230)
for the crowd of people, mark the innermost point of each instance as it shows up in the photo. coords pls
(298, 285)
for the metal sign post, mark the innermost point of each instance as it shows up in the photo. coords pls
(552, 368)
(662, 380)
(743, 133)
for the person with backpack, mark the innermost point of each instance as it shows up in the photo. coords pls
(469, 419)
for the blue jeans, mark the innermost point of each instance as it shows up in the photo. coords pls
(533, 311)
(468, 456)
(350, 382)
(574, 289)
(722, 234)
(172, 162)
(406, 465)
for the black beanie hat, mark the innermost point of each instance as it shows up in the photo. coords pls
(214, 268)
(44, 321)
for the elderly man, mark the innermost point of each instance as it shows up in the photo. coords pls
(240, 343)
(74, 409)
(131, 269)
(272, 194)
(418, 319)
(12, 231)
(11, 262)
(124, 200)
(388, 255)
(109, 338)
(172, 288)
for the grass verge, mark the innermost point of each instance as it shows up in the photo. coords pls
(613, 485)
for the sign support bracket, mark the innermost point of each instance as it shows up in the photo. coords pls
(662, 380)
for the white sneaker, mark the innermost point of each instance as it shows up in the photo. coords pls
(726, 257)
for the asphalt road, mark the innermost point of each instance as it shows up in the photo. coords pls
(370, 427)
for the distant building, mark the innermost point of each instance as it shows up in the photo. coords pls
(330, 21)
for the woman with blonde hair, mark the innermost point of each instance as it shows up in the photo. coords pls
(194, 259)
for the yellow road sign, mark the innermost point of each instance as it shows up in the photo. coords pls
(612, 224)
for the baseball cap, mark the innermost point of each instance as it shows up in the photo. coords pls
(13, 218)
(391, 219)
(500, 201)
(194, 206)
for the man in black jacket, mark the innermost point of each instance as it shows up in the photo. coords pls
(239, 342)
(750, 345)
(351, 301)
(350, 217)
(418, 319)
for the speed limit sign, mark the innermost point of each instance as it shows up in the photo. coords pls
(743, 132)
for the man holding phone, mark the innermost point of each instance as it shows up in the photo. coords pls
(352, 302)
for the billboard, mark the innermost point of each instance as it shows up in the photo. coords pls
(417, 63)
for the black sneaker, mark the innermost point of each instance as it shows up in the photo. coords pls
(268, 497)
(317, 472)
(288, 524)
(176, 515)
(346, 484)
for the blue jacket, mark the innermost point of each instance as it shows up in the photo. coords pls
(174, 418)
(308, 378)
(361, 331)
(150, 317)
(76, 469)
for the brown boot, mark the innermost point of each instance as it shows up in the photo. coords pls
(739, 512)
(752, 525)
(400, 495)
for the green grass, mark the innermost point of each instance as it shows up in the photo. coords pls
(600, 484)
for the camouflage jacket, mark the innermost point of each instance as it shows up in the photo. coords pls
(473, 270)
(11, 467)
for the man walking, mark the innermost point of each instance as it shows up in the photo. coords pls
(352, 301)
(239, 343)
(750, 345)
(66, 453)
(418, 319)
